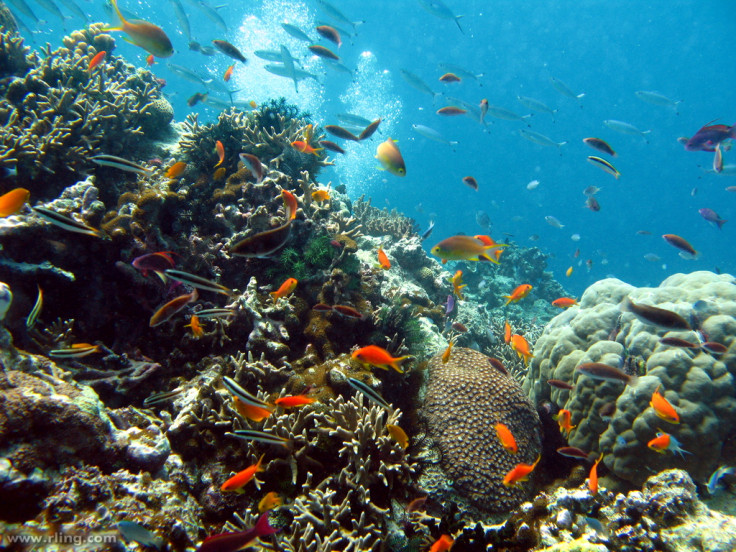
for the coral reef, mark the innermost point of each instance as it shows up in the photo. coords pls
(698, 383)
(465, 398)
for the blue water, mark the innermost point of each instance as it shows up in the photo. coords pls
(604, 49)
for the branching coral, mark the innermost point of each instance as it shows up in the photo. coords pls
(381, 222)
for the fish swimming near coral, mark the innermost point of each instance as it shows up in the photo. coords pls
(518, 294)
(655, 316)
(67, 223)
(12, 202)
(157, 262)
(195, 326)
(520, 473)
(465, 248)
(506, 438)
(593, 476)
(605, 372)
(197, 281)
(379, 357)
(663, 408)
(293, 401)
(564, 302)
(457, 284)
(77, 350)
(369, 130)
(687, 251)
(254, 165)
(176, 170)
(35, 311)
(370, 393)
(320, 195)
(304, 147)
(96, 61)
(247, 405)
(231, 542)
(664, 442)
(119, 163)
(564, 420)
(241, 479)
(714, 480)
(143, 34)
(398, 435)
(265, 244)
(261, 437)
(287, 288)
(390, 157)
(383, 260)
(168, 310)
(444, 543)
(269, 502)
(521, 346)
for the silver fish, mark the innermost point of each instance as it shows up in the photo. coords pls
(72, 6)
(535, 105)
(350, 119)
(655, 98)
(505, 114)
(624, 128)
(182, 17)
(538, 138)
(432, 134)
(552, 221)
(336, 14)
(281, 71)
(211, 12)
(296, 32)
(563, 89)
(416, 82)
(288, 62)
(440, 9)
(23, 7)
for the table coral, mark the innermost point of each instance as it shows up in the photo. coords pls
(464, 400)
(700, 385)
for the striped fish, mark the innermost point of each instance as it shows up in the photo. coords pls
(261, 437)
(243, 395)
(215, 313)
(197, 281)
(119, 163)
(164, 396)
(78, 350)
(33, 316)
(67, 223)
(369, 392)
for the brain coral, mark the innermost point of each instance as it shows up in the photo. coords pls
(700, 385)
(465, 399)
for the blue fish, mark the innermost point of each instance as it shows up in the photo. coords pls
(715, 479)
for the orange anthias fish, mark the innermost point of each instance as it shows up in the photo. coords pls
(251, 411)
(197, 329)
(376, 356)
(521, 347)
(286, 288)
(446, 355)
(292, 401)
(564, 302)
(488, 240)
(593, 476)
(143, 34)
(241, 479)
(383, 259)
(442, 544)
(564, 420)
(290, 204)
(304, 147)
(220, 152)
(507, 438)
(95, 61)
(269, 502)
(176, 170)
(664, 442)
(150, 60)
(663, 408)
(228, 73)
(171, 308)
(519, 293)
(13, 201)
(321, 195)
(457, 284)
(398, 435)
(520, 473)
(506, 332)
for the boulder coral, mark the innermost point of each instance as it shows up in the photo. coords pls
(698, 383)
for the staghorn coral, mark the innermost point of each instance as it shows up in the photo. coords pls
(15, 57)
(381, 222)
(464, 400)
(701, 386)
(56, 114)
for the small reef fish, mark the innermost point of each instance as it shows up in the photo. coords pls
(677, 342)
(449, 77)
(625, 128)
(713, 347)
(663, 408)
(518, 294)
(573, 452)
(241, 479)
(664, 442)
(383, 260)
(369, 393)
(432, 134)
(564, 302)
(520, 473)
(215, 313)
(238, 392)
(715, 479)
(390, 157)
(293, 401)
(655, 316)
(269, 502)
(157, 262)
(220, 152)
(197, 281)
(196, 98)
(229, 50)
(457, 284)
(600, 145)
(143, 34)
(559, 384)
(600, 371)
(67, 223)
(158, 398)
(330, 33)
(459, 327)
(150, 60)
(521, 347)
(230, 542)
(119, 163)
(195, 326)
(451, 110)
(552, 221)
(348, 312)
(321, 195)
(369, 130)
(535, 105)
(219, 174)
(445, 542)
(563, 89)
(483, 107)
(398, 435)
(539, 139)
(96, 61)
(296, 32)
(592, 203)
(449, 304)
(593, 476)
(13, 201)
(264, 244)
(304, 147)
(506, 438)
(416, 505)
(564, 420)
(287, 288)
(379, 357)
(568, 272)
(254, 165)
(176, 170)
(135, 532)
(718, 159)
(168, 310)
(712, 217)
(227, 75)
(416, 82)
(442, 11)
(341, 132)
(261, 437)
(77, 350)
(605, 165)
(35, 311)
(656, 98)
(445, 358)
(507, 332)
(332, 146)
(471, 182)
(465, 248)
(687, 251)
(323, 52)
(428, 231)
(709, 136)
(532, 185)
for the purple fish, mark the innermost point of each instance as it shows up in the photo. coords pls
(709, 136)
(712, 217)
(155, 262)
(230, 542)
(450, 305)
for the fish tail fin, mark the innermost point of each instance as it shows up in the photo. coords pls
(508, 299)
(489, 257)
(720, 223)
(396, 364)
(262, 527)
(273, 294)
(118, 12)
(457, 21)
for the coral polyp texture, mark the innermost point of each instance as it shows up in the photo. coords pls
(697, 382)
(466, 397)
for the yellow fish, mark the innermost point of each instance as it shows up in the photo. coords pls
(320, 195)
(143, 34)
(269, 502)
(398, 435)
(390, 157)
(465, 248)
